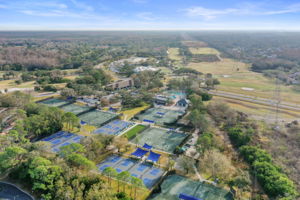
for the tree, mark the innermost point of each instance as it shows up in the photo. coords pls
(198, 120)
(68, 92)
(205, 142)
(71, 119)
(11, 157)
(186, 163)
(79, 160)
(71, 148)
(48, 121)
(137, 183)
(110, 173)
(217, 165)
(124, 177)
(252, 154)
(43, 175)
(238, 136)
(120, 143)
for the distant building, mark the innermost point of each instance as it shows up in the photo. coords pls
(161, 100)
(142, 68)
(121, 84)
(182, 103)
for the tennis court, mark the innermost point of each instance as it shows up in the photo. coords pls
(97, 117)
(74, 108)
(161, 139)
(113, 128)
(61, 139)
(160, 116)
(54, 102)
(149, 174)
(174, 185)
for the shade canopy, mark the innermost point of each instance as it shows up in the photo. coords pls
(160, 113)
(146, 146)
(83, 122)
(149, 121)
(187, 197)
(154, 157)
(139, 153)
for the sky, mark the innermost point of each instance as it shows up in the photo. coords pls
(149, 15)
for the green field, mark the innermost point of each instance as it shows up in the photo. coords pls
(134, 131)
(174, 54)
(235, 76)
(8, 84)
(204, 50)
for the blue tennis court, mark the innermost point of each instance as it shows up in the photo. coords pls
(150, 175)
(61, 139)
(113, 128)
(139, 170)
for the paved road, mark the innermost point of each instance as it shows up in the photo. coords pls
(257, 100)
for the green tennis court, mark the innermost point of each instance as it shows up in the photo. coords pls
(173, 185)
(161, 139)
(160, 116)
(74, 108)
(97, 117)
(54, 102)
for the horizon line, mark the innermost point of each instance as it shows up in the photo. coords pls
(91, 30)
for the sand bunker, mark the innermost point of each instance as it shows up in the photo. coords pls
(247, 89)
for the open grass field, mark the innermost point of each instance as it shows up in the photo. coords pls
(55, 95)
(204, 50)
(8, 84)
(165, 70)
(235, 76)
(259, 111)
(193, 43)
(71, 77)
(174, 54)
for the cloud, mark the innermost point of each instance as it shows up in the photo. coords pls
(208, 13)
(243, 9)
(82, 6)
(140, 1)
(146, 16)
(51, 13)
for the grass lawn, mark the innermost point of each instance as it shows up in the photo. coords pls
(174, 54)
(165, 70)
(71, 77)
(45, 97)
(134, 131)
(235, 76)
(258, 110)
(193, 43)
(128, 114)
(204, 50)
(11, 84)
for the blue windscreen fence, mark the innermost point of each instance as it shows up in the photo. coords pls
(188, 197)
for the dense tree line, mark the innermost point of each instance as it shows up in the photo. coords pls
(242, 133)
(43, 51)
